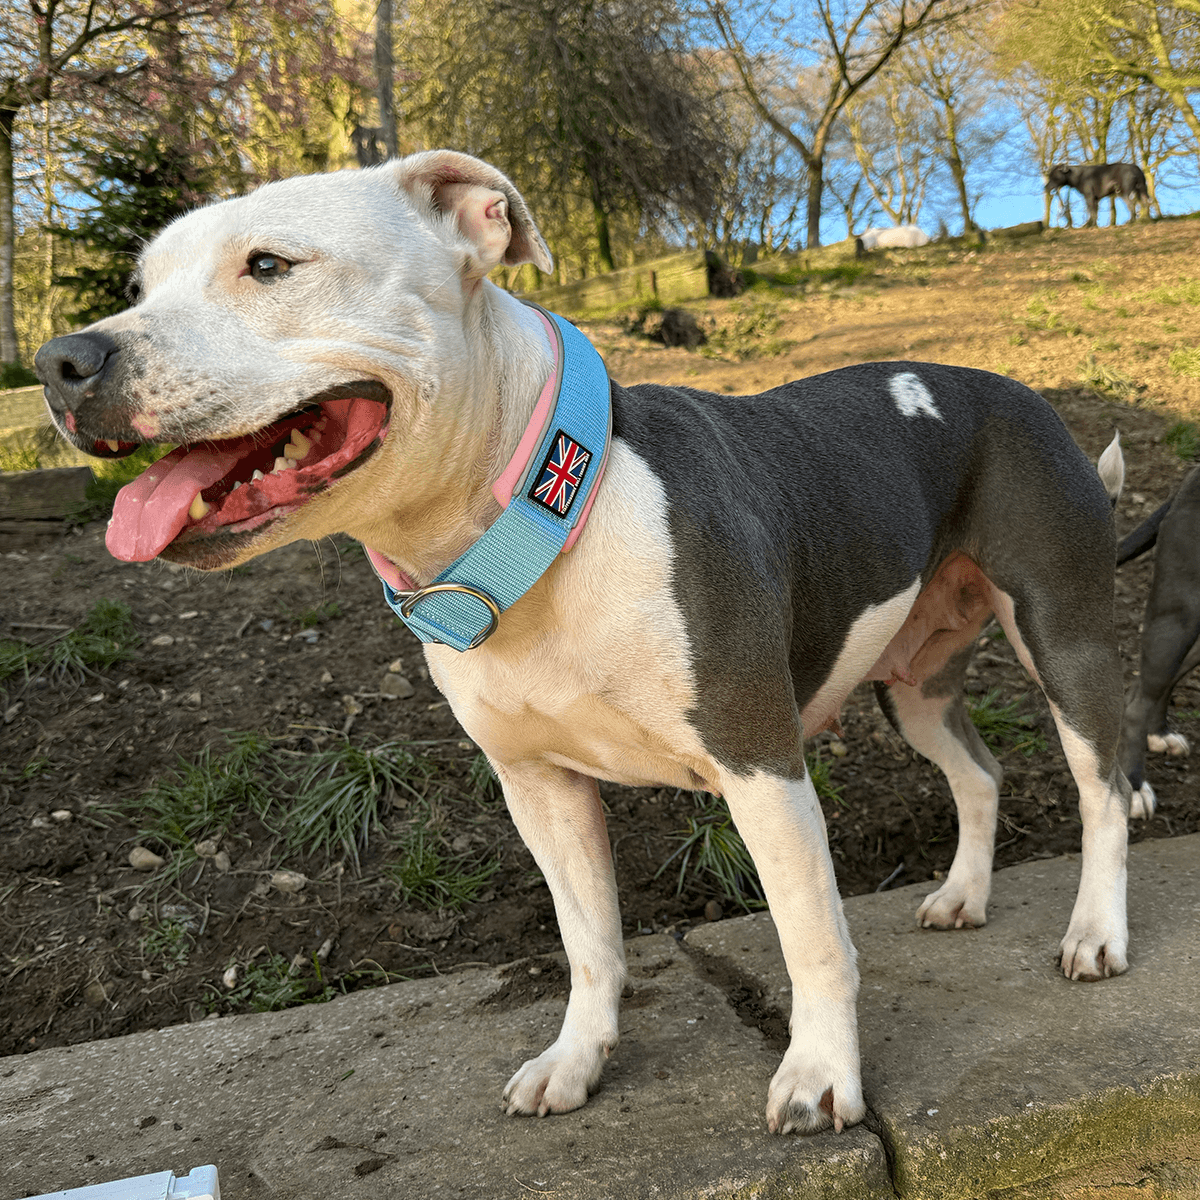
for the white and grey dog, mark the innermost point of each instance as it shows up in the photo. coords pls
(329, 356)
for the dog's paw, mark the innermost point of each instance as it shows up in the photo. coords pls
(1143, 801)
(808, 1096)
(1090, 956)
(1172, 743)
(953, 907)
(559, 1080)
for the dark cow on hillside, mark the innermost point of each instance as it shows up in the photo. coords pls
(1097, 180)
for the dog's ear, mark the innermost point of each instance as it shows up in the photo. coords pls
(490, 212)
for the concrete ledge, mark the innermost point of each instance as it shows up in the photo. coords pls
(986, 1073)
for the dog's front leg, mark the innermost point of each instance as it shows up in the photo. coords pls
(558, 814)
(818, 1083)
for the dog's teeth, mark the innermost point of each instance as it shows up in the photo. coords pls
(283, 464)
(298, 447)
(112, 444)
(256, 476)
(199, 509)
(236, 486)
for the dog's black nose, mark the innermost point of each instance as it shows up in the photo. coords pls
(71, 367)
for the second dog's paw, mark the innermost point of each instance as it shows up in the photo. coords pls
(953, 908)
(1090, 956)
(810, 1097)
(1143, 802)
(559, 1080)
(1172, 743)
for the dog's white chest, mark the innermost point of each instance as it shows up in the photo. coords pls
(591, 670)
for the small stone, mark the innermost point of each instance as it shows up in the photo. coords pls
(137, 912)
(713, 911)
(396, 667)
(289, 881)
(141, 859)
(94, 994)
(62, 815)
(230, 978)
(40, 822)
(154, 619)
(838, 749)
(163, 639)
(221, 861)
(396, 687)
(326, 677)
(191, 700)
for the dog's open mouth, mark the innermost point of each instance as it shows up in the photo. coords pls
(241, 484)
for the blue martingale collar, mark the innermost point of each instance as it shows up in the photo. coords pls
(546, 492)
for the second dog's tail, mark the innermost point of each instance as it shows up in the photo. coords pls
(1143, 537)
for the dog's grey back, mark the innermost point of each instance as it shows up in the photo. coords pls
(795, 510)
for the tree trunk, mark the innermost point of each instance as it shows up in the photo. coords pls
(8, 326)
(603, 238)
(385, 77)
(816, 183)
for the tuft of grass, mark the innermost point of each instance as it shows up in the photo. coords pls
(1185, 361)
(310, 618)
(1002, 727)
(336, 794)
(20, 458)
(711, 847)
(1184, 439)
(482, 784)
(168, 944)
(819, 767)
(428, 875)
(273, 985)
(749, 335)
(1186, 292)
(1105, 380)
(199, 800)
(105, 636)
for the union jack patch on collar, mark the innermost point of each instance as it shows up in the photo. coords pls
(562, 472)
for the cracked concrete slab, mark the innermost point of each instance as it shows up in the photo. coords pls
(985, 1069)
(396, 1091)
(987, 1074)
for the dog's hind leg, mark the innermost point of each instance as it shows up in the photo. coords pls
(818, 1083)
(559, 815)
(933, 719)
(1066, 643)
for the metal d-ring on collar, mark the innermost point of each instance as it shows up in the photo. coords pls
(412, 599)
(545, 491)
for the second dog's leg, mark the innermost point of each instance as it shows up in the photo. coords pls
(818, 1083)
(933, 720)
(558, 814)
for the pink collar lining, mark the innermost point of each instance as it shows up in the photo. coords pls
(505, 486)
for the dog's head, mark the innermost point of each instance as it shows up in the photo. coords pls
(279, 341)
(1059, 176)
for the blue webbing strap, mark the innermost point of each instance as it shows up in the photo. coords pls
(462, 606)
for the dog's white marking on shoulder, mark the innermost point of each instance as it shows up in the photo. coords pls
(912, 396)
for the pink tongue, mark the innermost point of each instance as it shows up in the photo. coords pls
(151, 510)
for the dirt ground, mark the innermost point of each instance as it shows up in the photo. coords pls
(299, 646)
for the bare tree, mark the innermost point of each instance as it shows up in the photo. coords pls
(596, 107)
(890, 128)
(852, 42)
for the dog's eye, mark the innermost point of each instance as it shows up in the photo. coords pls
(266, 268)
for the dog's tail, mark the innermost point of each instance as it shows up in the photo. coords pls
(1144, 536)
(1111, 469)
